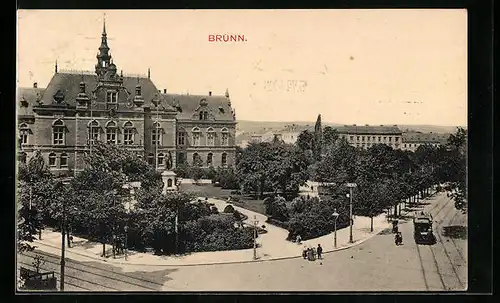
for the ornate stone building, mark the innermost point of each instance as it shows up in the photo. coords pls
(77, 108)
(365, 136)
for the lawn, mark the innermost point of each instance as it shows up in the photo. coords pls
(208, 190)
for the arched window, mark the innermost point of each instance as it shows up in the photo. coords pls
(52, 159)
(111, 132)
(58, 132)
(169, 183)
(128, 133)
(225, 137)
(197, 160)
(210, 159)
(156, 134)
(210, 137)
(161, 159)
(63, 161)
(151, 159)
(196, 136)
(23, 133)
(94, 131)
(223, 159)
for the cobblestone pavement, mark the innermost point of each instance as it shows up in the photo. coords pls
(375, 265)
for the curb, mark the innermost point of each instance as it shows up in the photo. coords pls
(218, 263)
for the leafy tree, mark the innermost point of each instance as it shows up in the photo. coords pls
(276, 208)
(36, 190)
(456, 168)
(227, 178)
(337, 164)
(305, 140)
(330, 136)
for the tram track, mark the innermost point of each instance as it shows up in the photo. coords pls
(136, 282)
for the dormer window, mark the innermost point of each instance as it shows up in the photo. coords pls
(203, 115)
(112, 97)
(221, 109)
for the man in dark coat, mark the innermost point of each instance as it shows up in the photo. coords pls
(319, 251)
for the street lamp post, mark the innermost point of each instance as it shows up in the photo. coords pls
(255, 222)
(335, 215)
(63, 238)
(351, 186)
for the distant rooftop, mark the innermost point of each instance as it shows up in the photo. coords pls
(369, 129)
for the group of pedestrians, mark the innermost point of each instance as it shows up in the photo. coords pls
(310, 253)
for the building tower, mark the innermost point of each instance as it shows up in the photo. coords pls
(103, 57)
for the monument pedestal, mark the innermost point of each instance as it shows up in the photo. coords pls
(169, 183)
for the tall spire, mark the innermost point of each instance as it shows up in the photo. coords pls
(56, 66)
(149, 73)
(104, 25)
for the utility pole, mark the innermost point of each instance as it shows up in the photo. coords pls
(351, 186)
(63, 262)
(255, 237)
(177, 230)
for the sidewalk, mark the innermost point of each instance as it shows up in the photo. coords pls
(272, 245)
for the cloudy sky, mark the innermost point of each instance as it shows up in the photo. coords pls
(352, 66)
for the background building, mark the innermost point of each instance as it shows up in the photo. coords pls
(366, 136)
(412, 140)
(79, 107)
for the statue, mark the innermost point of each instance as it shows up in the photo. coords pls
(169, 161)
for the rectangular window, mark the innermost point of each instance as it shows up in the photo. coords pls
(52, 161)
(161, 161)
(390, 139)
(396, 139)
(181, 138)
(64, 161)
(180, 158)
(128, 136)
(363, 138)
(225, 139)
(210, 139)
(58, 136)
(357, 138)
(156, 137)
(351, 138)
(112, 97)
(379, 139)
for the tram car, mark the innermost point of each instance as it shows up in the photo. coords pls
(422, 233)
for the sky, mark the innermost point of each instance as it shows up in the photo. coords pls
(350, 66)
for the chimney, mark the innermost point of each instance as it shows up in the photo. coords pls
(367, 125)
(354, 125)
(209, 93)
(35, 85)
(164, 90)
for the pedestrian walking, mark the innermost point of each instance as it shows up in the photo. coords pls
(298, 239)
(304, 252)
(319, 250)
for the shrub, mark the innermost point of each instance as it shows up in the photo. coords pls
(227, 178)
(209, 173)
(214, 210)
(229, 209)
(182, 171)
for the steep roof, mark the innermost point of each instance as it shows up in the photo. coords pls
(418, 137)
(30, 95)
(69, 84)
(218, 106)
(369, 130)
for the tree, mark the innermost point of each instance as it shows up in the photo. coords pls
(456, 168)
(317, 139)
(330, 136)
(36, 190)
(276, 208)
(305, 140)
(337, 164)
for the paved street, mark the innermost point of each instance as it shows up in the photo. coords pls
(375, 265)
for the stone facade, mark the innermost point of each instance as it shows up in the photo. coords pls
(78, 107)
(366, 136)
